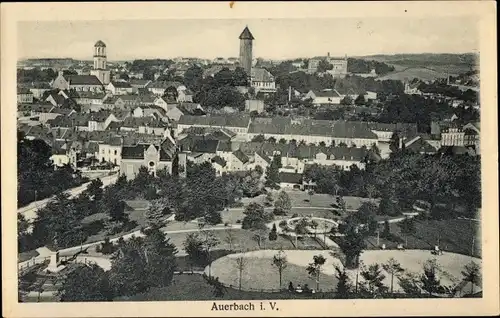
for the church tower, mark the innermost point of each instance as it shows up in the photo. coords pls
(100, 68)
(246, 39)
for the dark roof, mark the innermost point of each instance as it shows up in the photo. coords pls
(241, 156)
(290, 177)
(133, 152)
(309, 127)
(21, 90)
(246, 34)
(329, 93)
(261, 75)
(222, 121)
(205, 146)
(421, 146)
(84, 80)
(100, 116)
(121, 84)
(99, 44)
(219, 160)
(167, 150)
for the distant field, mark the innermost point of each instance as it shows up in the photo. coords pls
(411, 73)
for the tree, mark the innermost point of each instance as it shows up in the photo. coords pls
(352, 245)
(155, 215)
(280, 262)
(208, 241)
(429, 279)
(394, 143)
(86, 283)
(194, 250)
(344, 286)
(241, 263)
(117, 212)
(311, 193)
(272, 172)
(409, 283)
(393, 268)
(346, 101)
(283, 204)
(387, 229)
(255, 217)
(95, 189)
(213, 217)
(314, 268)
(374, 277)
(273, 235)
(472, 275)
(387, 206)
(360, 100)
(407, 228)
(324, 66)
(128, 272)
(268, 201)
(260, 236)
(229, 238)
(282, 141)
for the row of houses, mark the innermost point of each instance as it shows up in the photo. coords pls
(309, 131)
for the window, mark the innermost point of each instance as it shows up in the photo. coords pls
(116, 152)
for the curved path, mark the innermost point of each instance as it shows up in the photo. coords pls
(29, 211)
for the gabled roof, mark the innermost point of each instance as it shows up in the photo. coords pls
(133, 152)
(121, 84)
(100, 116)
(84, 80)
(219, 160)
(246, 34)
(419, 145)
(261, 75)
(222, 121)
(138, 82)
(326, 93)
(205, 146)
(241, 156)
(164, 84)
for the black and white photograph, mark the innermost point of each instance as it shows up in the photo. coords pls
(243, 159)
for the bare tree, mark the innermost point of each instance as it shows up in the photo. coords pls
(393, 268)
(241, 263)
(280, 262)
(229, 238)
(260, 237)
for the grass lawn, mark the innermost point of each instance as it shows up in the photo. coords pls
(454, 236)
(24, 256)
(194, 287)
(260, 274)
(242, 240)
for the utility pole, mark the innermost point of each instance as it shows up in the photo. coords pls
(472, 248)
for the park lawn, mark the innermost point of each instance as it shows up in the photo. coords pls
(315, 212)
(454, 236)
(242, 241)
(194, 287)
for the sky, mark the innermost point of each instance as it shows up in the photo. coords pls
(274, 38)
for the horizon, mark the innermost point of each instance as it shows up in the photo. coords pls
(195, 57)
(275, 39)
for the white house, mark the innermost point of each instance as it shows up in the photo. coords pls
(325, 97)
(120, 88)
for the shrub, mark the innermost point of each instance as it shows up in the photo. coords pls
(238, 221)
(295, 215)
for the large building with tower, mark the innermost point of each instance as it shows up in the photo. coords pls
(100, 69)
(246, 42)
